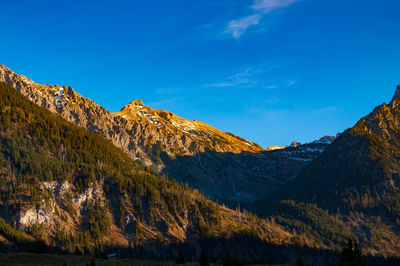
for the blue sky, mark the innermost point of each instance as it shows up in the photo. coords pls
(272, 71)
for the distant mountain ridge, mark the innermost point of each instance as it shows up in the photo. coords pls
(78, 193)
(223, 165)
(323, 140)
(191, 132)
(188, 136)
(312, 195)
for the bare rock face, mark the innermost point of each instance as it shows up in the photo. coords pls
(74, 108)
(221, 164)
(36, 216)
(136, 128)
(397, 93)
(161, 133)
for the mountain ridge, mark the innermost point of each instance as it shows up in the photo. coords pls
(59, 99)
(319, 193)
(165, 142)
(137, 110)
(77, 192)
(356, 179)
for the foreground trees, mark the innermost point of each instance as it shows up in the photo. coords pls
(351, 255)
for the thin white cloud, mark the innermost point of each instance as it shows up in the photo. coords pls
(236, 28)
(271, 87)
(220, 84)
(272, 101)
(164, 103)
(266, 6)
(241, 78)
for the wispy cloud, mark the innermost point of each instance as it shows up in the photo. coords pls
(220, 84)
(271, 87)
(260, 8)
(238, 27)
(291, 83)
(164, 103)
(273, 100)
(266, 6)
(241, 78)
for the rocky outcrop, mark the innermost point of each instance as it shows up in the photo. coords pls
(273, 148)
(35, 216)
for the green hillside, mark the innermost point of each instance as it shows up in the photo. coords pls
(351, 189)
(78, 193)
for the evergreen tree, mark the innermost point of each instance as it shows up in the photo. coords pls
(78, 251)
(300, 262)
(204, 259)
(351, 255)
(228, 260)
(180, 259)
(39, 247)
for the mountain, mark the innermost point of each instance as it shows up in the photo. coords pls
(178, 136)
(242, 177)
(354, 182)
(136, 128)
(77, 192)
(224, 166)
(360, 170)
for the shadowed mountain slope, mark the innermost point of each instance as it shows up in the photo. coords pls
(189, 151)
(76, 191)
(354, 184)
(360, 170)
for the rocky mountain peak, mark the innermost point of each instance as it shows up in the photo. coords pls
(15, 80)
(133, 106)
(3, 68)
(149, 136)
(295, 144)
(135, 103)
(397, 93)
(274, 148)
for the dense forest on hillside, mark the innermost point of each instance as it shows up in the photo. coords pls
(359, 171)
(78, 193)
(75, 192)
(351, 189)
